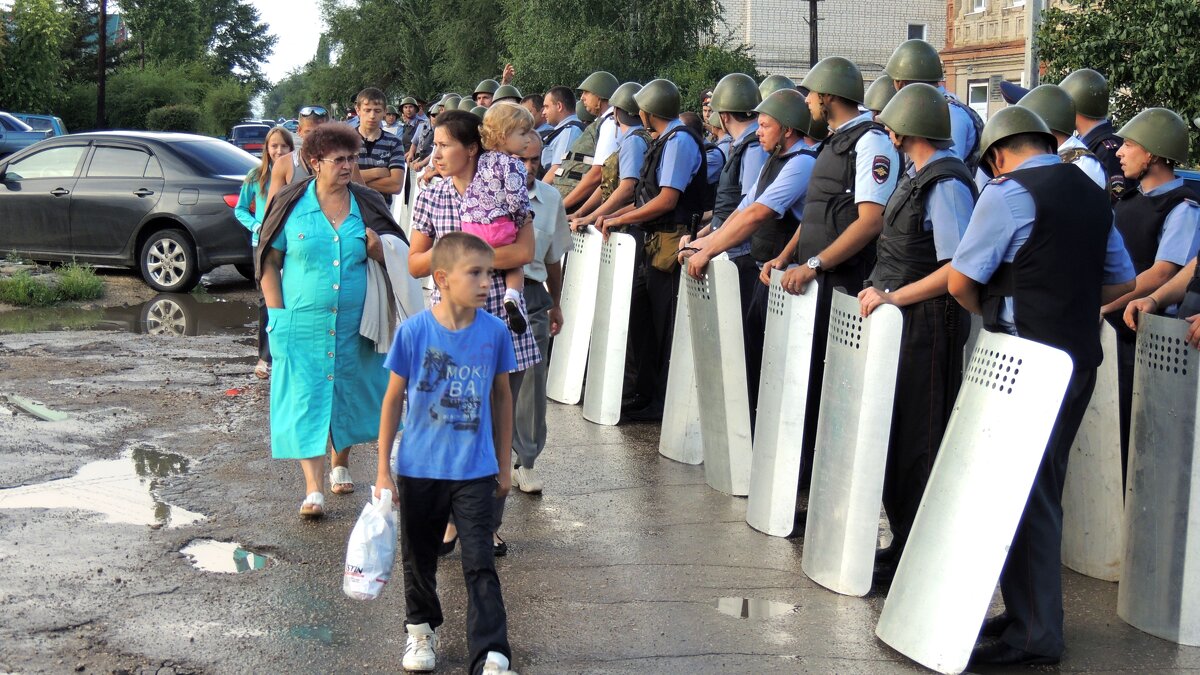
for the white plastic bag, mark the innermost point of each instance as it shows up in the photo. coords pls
(372, 549)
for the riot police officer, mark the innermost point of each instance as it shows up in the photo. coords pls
(918, 61)
(773, 83)
(621, 171)
(1160, 223)
(1089, 90)
(923, 223)
(507, 92)
(1011, 267)
(483, 93)
(879, 94)
(669, 204)
(1054, 105)
(560, 111)
(595, 92)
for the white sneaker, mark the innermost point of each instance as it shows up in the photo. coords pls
(497, 664)
(526, 480)
(420, 652)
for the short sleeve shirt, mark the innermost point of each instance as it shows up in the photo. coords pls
(787, 192)
(1089, 164)
(752, 159)
(874, 157)
(556, 150)
(606, 138)
(632, 155)
(551, 234)
(948, 210)
(962, 129)
(1181, 230)
(449, 373)
(681, 159)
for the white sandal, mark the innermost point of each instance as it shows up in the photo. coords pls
(313, 505)
(262, 370)
(340, 482)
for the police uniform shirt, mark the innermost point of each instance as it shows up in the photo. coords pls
(1090, 165)
(551, 234)
(606, 138)
(786, 193)
(716, 161)
(875, 163)
(1180, 237)
(543, 129)
(962, 128)
(556, 150)
(631, 155)
(681, 159)
(1002, 222)
(725, 144)
(981, 179)
(947, 210)
(752, 159)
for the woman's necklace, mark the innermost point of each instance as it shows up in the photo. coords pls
(342, 211)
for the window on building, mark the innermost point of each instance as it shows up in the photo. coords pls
(977, 97)
(917, 31)
(978, 5)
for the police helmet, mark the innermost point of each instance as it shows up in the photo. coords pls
(1054, 105)
(914, 61)
(623, 98)
(920, 110)
(1012, 121)
(879, 93)
(1089, 90)
(774, 83)
(601, 83)
(736, 92)
(659, 98)
(837, 76)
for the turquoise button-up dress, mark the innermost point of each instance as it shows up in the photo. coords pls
(326, 379)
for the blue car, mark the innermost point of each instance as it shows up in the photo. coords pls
(1190, 178)
(43, 122)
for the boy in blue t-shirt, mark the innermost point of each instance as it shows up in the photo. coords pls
(452, 364)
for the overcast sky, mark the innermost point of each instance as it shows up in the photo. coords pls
(298, 26)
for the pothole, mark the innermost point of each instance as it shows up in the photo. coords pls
(753, 608)
(122, 490)
(224, 557)
(169, 314)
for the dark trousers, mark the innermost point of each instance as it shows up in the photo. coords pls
(927, 382)
(264, 346)
(651, 327)
(1031, 581)
(425, 507)
(754, 328)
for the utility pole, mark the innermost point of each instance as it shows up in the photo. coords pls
(102, 68)
(812, 33)
(1033, 19)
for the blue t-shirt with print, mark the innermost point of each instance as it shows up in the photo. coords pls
(448, 427)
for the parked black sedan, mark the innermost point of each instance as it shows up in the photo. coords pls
(159, 202)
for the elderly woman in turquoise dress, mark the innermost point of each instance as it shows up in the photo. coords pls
(328, 381)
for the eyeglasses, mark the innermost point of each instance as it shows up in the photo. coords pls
(313, 111)
(346, 159)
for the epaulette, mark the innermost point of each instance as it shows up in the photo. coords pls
(997, 181)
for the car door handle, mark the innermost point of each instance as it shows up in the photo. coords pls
(59, 192)
(143, 192)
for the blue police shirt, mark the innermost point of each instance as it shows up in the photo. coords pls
(872, 150)
(556, 150)
(1180, 237)
(962, 128)
(1002, 222)
(681, 159)
(947, 210)
(752, 159)
(716, 161)
(631, 155)
(786, 193)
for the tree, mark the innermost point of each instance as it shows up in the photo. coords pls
(700, 72)
(1147, 50)
(240, 42)
(33, 77)
(166, 31)
(80, 51)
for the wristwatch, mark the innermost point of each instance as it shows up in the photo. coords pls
(814, 264)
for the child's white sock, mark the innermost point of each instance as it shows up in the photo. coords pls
(512, 294)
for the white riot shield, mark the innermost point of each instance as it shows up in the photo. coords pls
(976, 326)
(853, 430)
(569, 358)
(1092, 502)
(610, 330)
(782, 396)
(1160, 583)
(1009, 400)
(719, 355)
(679, 437)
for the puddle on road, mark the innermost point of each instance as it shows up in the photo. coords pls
(753, 608)
(322, 634)
(122, 490)
(170, 314)
(224, 557)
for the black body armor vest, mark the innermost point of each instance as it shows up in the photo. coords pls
(729, 188)
(1140, 220)
(690, 207)
(769, 240)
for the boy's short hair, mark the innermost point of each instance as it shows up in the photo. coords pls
(502, 119)
(370, 95)
(454, 246)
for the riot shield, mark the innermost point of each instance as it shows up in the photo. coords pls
(1092, 501)
(1160, 582)
(610, 331)
(853, 430)
(679, 436)
(1009, 400)
(715, 311)
(782, 396)
(568, 359)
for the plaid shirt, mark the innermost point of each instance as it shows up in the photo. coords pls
(435, 214)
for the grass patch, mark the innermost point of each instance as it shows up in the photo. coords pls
(71, 282)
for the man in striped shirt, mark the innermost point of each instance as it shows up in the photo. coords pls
(381, 158)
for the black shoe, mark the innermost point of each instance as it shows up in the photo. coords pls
(883, 575)
(996, 652)
(650, 413)
(516, 320)
(635, 403)
(996, 625)
(447, 547)
(500, 550)
(889, 554)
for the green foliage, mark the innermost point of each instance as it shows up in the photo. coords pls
(180, 117)
(132, 93)
(1147, 50)
(166, 31)
(225, 105)
(79, 52)
(701, 71)
(78, 282)
(32, 76)
(69, 282)
(24, 290)
(239, 41)
(77, 107)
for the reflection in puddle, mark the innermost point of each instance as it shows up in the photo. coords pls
(753, 608)
(222, 556)
(171, 314)
(123, 490)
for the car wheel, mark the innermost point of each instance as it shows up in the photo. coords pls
(168, 262)
(246, 270)
(168, 315)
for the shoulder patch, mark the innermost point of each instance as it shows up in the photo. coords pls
(997, 181)
(1116, 185)
(1110, 144)
(881, 168)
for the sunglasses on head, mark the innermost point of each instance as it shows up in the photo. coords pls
(313, 111)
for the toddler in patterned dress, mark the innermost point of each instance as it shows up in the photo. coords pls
(496, 203)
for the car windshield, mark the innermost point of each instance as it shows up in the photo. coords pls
(39, 123)
(13, 124)
(214, 158)
(250, 133)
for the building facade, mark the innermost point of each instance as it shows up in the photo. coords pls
(985, 44)
(777, 31)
